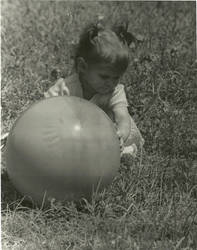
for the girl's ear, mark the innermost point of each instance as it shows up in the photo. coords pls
(81, 65)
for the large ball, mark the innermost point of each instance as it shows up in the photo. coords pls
(62, 148)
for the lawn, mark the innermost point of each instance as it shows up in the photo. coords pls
(152, 202)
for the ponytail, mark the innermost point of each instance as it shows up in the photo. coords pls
(98, 43)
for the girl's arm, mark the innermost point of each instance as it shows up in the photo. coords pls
(127, 127)
(123, 121)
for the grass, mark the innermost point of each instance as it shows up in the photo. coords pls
(135, 213)
(152, 202)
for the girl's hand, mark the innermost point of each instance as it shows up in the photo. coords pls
(135, 136)
(132, 150)
(59, 89)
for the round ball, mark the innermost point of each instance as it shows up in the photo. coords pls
(62, 148)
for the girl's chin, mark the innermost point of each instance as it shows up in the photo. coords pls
(105, 91)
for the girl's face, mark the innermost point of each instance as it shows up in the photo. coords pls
(102, 78)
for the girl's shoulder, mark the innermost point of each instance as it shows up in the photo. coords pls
(111, 99)
(118, 96)
(119, 88)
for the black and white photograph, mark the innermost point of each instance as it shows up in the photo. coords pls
(98, 125)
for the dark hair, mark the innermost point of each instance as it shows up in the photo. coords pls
(100, 44)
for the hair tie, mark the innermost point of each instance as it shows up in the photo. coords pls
(123, 34)
(96, 28)
(99, 26)
(100, 23)
(93, 32)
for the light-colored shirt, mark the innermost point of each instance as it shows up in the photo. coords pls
(107, 102)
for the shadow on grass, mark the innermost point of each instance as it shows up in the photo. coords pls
(10, 197)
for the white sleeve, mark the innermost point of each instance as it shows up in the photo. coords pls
(118, 98)
(58, 89)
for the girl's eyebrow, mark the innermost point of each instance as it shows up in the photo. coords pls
(104, 75)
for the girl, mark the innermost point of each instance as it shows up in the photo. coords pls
(100, 61)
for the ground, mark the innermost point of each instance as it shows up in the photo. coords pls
(152, 202)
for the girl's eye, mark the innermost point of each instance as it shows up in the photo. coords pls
(104, 76)
(116, 78)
